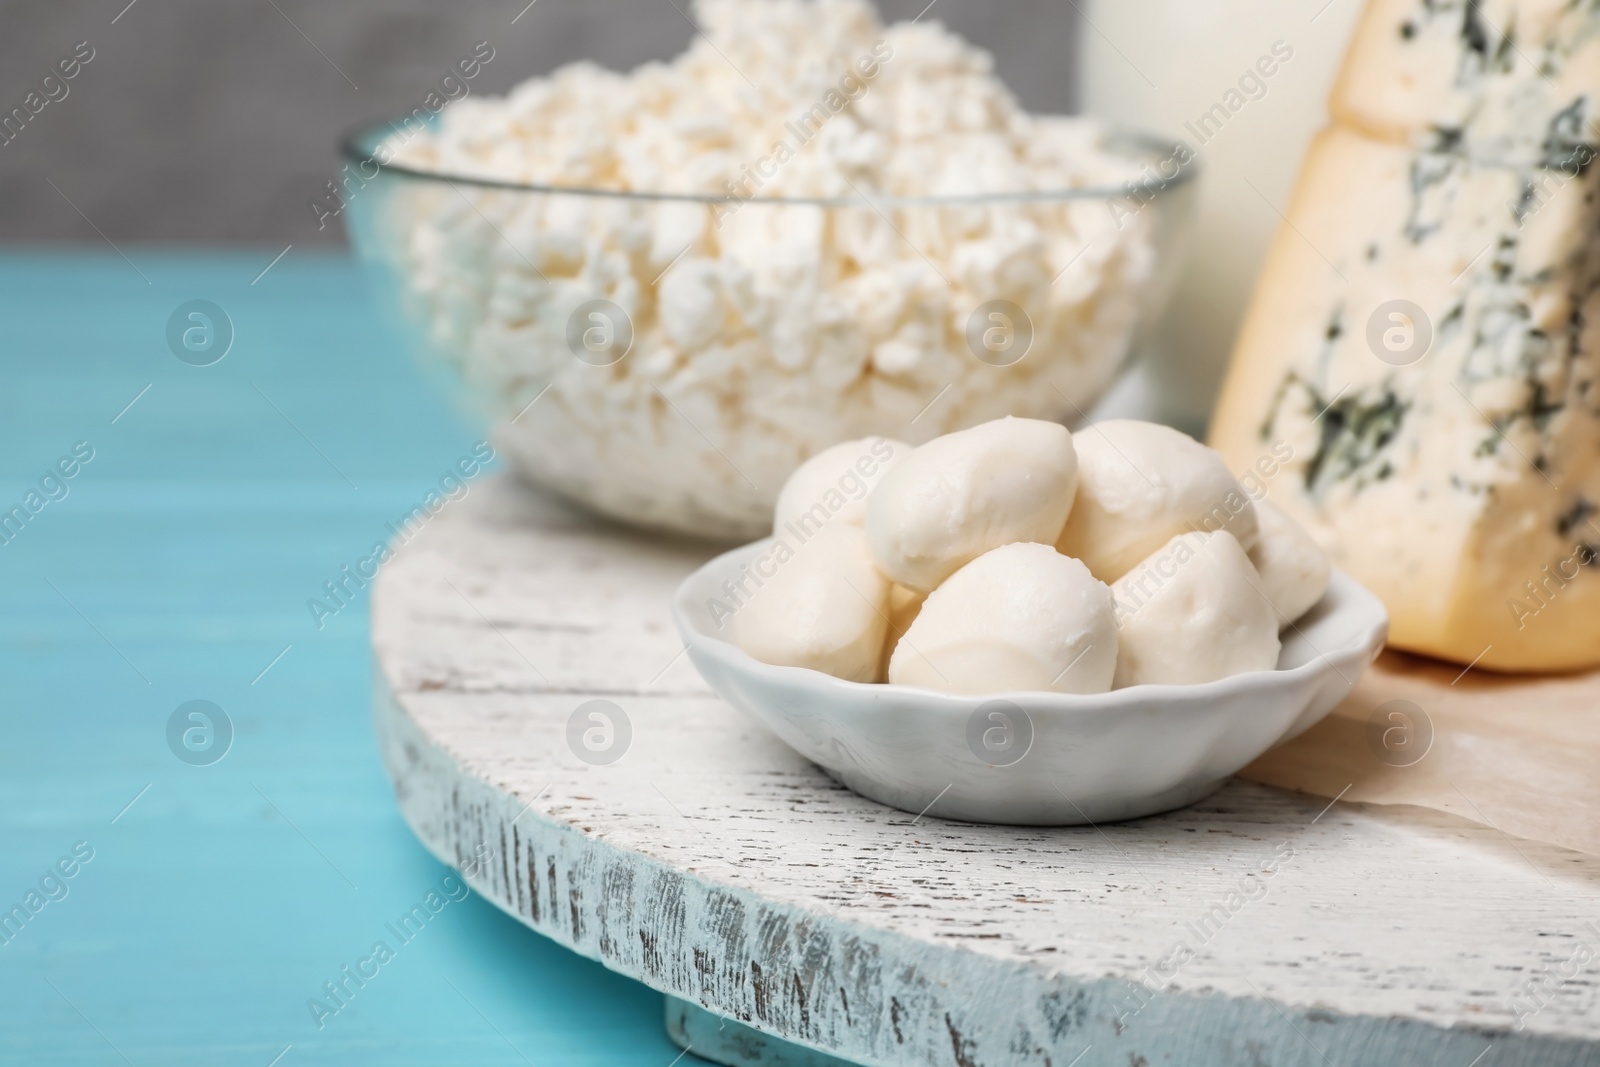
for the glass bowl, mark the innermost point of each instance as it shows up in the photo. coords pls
(667, 360)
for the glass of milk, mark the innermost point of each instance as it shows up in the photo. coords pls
(1244, 84)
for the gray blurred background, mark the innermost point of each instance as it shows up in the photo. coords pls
(211, 121)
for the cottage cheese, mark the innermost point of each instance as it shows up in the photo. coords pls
(759, 332)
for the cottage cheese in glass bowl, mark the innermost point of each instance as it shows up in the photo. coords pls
(666, 289)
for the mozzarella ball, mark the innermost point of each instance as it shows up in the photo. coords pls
(1294, 570)
(905, 604)
(1191, 613)
(1139, 485)
(832, 486)
(960, 495)
(822, 605)
(1022, 618)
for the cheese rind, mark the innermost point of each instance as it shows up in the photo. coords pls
(1460, 485)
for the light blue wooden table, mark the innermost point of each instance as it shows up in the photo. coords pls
(177, 567)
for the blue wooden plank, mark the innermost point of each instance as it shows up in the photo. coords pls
(177, 567)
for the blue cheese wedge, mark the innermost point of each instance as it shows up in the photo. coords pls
(1425, 339)
(1504, 80)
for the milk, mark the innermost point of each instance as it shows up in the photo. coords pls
(1244, 83)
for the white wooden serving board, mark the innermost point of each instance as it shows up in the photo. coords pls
(712, 863)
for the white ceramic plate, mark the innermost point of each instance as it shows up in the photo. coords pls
(1042, 759)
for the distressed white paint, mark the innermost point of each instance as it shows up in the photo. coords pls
(714, 864)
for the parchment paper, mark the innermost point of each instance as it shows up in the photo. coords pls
(1520, 754)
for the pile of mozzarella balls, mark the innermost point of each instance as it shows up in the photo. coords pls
(1016, 556)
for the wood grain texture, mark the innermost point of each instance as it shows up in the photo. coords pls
(716, 865)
